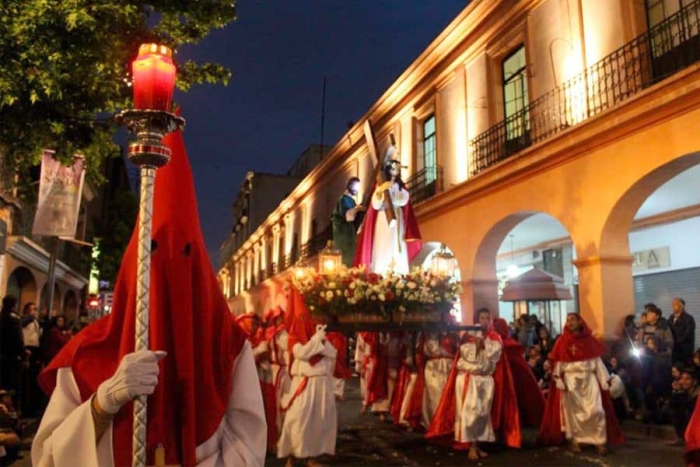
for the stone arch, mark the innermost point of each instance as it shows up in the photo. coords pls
(22, 284)
(615, 233)
(483, 284)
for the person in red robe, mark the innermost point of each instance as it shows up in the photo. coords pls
(342, 372)
(485, 376)
(204, 401)
(405, 383)
(692, 439)
(371, 361)
(530, 398)
(579, 407)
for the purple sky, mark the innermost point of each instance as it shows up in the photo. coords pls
(279, 52)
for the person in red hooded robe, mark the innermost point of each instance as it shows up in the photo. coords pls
(692, 439)
(479, 398)
(579, 407)
(372, 364)
(382, 246)
(205, 406)
(279, 364)
(310, 421)
(342, 372)
(530, 398)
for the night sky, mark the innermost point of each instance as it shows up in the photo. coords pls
(279, 52)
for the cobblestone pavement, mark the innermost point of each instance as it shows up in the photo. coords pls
(365, 441)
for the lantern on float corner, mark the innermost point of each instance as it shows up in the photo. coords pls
(329, 260)
(153, 74)
(443, 263)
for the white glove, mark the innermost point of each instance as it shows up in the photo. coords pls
(320, 332)
(560, 384)
(137, 375)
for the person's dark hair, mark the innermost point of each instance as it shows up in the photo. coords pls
(680, 300)
(629, 321)
(650, 306)
(25, 308)
(387, 176)
(691, 372)
(483, 310)
(654, 309)
(9, 304)
(352, 180)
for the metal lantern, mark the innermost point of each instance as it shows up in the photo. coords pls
(150, 120)
(329, 259)
(443, 263)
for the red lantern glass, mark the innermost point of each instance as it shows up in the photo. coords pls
(154, 78)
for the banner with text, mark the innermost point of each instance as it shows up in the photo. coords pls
(60, 191)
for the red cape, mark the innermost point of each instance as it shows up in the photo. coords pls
(340, 342)
(189, 318)
(692, 439)
(365, 240)
(504, 410)
(529, 394)
(575, 347)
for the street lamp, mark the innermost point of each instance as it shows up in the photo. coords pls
(329, 260)
(443, 263)
(153, 81)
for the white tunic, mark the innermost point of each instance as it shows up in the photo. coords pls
(437, 369)
(279, 361)
(473, 409)
(389, 248)
(66, 435)
(362, 351)
(310, 422)
(583, 416)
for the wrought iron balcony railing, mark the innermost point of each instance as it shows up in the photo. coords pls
(662, 51)
(317, 242)
(425, 184)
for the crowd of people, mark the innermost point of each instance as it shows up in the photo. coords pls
(28, 341)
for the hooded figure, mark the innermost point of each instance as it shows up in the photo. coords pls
(310, 423)
(205, 406)
(579, 407)
(479, 398)
(530, 399)
(383, 247)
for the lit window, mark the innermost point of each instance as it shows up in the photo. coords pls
(429, 149)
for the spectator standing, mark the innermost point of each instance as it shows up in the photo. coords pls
(683, 329)
(11, 345)
(656, 343)
(58, 337)
(545, 341)
(32, 396)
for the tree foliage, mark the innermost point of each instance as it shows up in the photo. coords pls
(114, 233)
(65, 68)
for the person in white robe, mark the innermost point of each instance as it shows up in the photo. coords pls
(478, 357)
(438, 351)
(310, 420)
(279, 361)
(70, 435)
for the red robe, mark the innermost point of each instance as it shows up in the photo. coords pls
(530, 398)
(340, 342)
(692, 439)
(504, 410)
(189, 318)
(575, 347)
(376, 378)
(403, 377)
(365, 240)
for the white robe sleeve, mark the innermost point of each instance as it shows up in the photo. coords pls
(241, 439)
(66, 435)
(304, 352)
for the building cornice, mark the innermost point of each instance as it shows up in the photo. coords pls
(28, 252)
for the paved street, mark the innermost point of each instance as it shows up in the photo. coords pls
(364, 441)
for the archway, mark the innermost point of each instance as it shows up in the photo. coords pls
(22, 285)
(514, 245)
(70, 305)
(657, 223)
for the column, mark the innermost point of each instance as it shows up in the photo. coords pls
(476, 294)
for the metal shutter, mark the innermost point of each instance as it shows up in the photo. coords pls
(661, 288)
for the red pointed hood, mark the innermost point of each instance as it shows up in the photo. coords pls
(189, 318)
(575, 347)
(298, 321)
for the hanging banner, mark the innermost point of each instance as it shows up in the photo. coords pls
(60, 191)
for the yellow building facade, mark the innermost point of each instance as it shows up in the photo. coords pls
(574, 112)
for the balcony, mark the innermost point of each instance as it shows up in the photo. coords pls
(425, 184)
(662, 51)
(317, 242)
